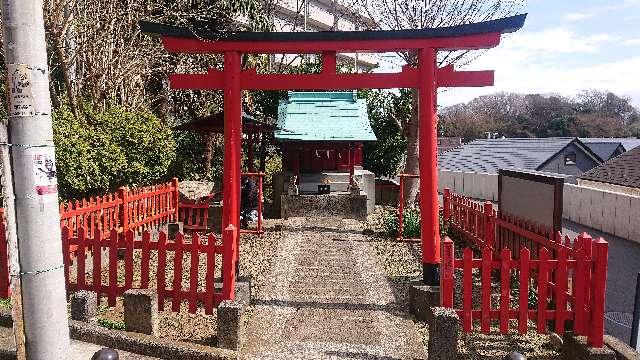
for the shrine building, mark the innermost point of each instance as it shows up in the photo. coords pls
(321, 135)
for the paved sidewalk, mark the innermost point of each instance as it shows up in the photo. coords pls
(329, 299)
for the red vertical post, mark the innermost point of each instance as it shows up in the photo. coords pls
(429, 212)
(232, 144)
(600, 254)
(123, 216)
(352, 163)
(144, 260)
(543, 283)
(177, 273)
(446, 287)
(489, 226)
(210, 275)
(128, 260)
(523, 293)
(505, 287)
(485, 279)
(228, 263)
(112, 290)
(467, 290)
(161, 270)
(446, 204)
(193, 273)
(561, 282)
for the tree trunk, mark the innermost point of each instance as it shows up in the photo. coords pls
(411, 165)
(208, 153)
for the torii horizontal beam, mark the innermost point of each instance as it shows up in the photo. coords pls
(328, 79)
(197, 46)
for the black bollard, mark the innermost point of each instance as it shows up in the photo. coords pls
(105, 354)
(515, 356)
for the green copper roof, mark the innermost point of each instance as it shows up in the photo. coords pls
(323, 116)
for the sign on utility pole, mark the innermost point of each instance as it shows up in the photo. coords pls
(32, 151)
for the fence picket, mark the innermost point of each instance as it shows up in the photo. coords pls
(113, 268)
(65, 255)
(467, 285)
(97, 263)
(193, 275)
(177, 273)
(543, 282)
(561, 281)
(128, 260)
(160, 272)
(505, 288)
(145, 258)
(487, 258)
(523, 291)
(447, 272)
(210, 275)
(81, 258)
(601, 251)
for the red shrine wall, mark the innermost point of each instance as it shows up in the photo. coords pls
(319, 156)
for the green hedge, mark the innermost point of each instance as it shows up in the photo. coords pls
(99, 151)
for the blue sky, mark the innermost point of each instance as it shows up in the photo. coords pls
(566, 46)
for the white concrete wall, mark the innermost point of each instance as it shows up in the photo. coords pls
(607, 211)
(474, 185)
(611, 212)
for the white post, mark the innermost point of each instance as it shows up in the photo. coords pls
(35, 184)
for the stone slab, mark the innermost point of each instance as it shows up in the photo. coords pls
(443, 334)
(421, 299)
(141, 311)
(229, 323)
(84, 305)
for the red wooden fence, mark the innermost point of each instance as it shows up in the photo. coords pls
(483, 226)
(582, 304)
(136, 254)
(136, 209)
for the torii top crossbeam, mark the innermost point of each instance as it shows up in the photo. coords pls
(426, 77)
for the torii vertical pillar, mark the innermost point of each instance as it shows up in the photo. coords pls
(428, 152)
(232, 158)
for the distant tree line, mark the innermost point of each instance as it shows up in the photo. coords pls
(592, 113)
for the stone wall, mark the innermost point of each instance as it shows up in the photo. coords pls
(342, 205)
(367, 185)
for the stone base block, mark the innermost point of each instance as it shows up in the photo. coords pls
(421, 299)
(84, 305)
(141, 311)
(242, 289)
(576, 347)
(229, 322)
(443, 334)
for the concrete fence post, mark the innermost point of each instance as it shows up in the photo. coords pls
(443, 334)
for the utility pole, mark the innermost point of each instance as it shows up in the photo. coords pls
(35, 185)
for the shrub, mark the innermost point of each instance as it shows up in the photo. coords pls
(100, 150)
(410, 223)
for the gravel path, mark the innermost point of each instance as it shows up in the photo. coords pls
(328, 298)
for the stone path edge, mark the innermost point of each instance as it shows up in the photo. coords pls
(140, 344)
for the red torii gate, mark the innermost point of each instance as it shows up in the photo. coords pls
(426, 77)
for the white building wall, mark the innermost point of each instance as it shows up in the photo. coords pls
(611, 212)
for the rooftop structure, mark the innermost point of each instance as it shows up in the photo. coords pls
(556, 155)
(623, 171)
(323, 116)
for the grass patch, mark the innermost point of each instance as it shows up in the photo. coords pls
(111, 324)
